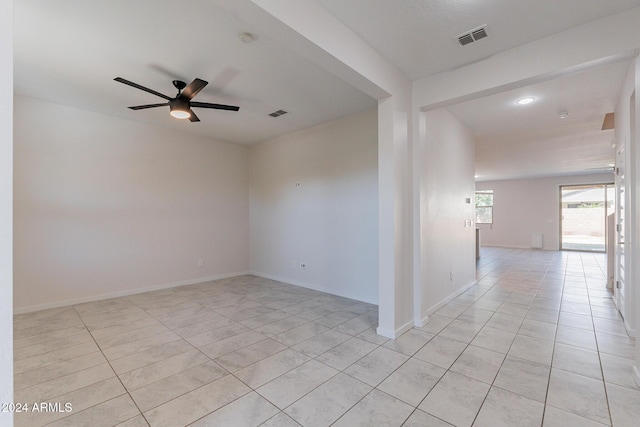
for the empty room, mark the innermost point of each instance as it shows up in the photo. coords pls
(319, 212)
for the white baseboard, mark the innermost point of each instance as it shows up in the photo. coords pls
(421, 322)
(636, 375)
(631, 331)
(393, 334)
(91, 298)
(448, 299)
(489, 245)
(316, 288)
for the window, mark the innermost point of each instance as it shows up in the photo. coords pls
(484, 207)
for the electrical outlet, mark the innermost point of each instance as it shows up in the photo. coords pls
(298, 184)
(451, 276)
(303, 265)
(200, 263)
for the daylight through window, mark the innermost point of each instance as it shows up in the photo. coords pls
(484, 207)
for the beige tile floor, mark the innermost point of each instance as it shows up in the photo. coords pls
(536, 342)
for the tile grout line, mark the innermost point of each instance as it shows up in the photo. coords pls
(553, 351)
(250, 387)
(501, 365)
(513, 290)
(604, 383)
(114, 372)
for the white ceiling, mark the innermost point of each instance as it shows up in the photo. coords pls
(514, 141)
(419, 36)
(69, 51)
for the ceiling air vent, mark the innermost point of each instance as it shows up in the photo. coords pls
(278, 113)
(472, 36)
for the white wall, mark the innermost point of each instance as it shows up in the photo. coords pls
(590, 45)
(330, 221)
(105, 206)
(446, 157)
(628, 135)
(522, 207)
(6, 204)
(625, 139)
(635, 188)
(310, 30)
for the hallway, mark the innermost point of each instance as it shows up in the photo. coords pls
(568, 336)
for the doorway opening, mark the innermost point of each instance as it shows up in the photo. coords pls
(583, 216)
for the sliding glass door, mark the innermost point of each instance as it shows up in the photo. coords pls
(584, 210)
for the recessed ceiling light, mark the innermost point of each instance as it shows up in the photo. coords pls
(563, 114)
(525, 101)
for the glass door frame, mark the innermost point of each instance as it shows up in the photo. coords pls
(605, 188)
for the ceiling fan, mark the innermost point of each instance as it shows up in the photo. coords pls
(180, 106)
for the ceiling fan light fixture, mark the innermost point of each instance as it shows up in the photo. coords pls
(180, 114)
(179, 109)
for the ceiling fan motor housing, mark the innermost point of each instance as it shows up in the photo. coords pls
(179, 107)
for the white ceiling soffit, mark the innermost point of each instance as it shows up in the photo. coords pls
(517, 141)
(419, 36)
(69, 51)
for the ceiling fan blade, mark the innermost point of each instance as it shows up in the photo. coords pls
(193, 117)
(192, 89)
(215, 106)
(142, 107)
(146, 89)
